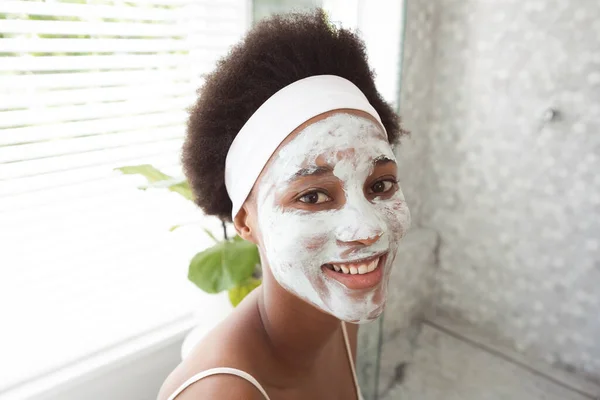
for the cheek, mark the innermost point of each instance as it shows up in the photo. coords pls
(296, 238)
(316, 242)
(397, 217)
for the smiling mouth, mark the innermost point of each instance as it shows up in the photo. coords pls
(359, 267)
(358, 274)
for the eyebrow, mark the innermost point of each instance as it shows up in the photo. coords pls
(324, 170)
(311, 171)
(382, 160)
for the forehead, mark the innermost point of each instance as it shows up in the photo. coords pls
(339, 137)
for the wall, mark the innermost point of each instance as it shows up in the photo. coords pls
(511, 187)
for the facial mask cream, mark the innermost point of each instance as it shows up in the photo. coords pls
(298, 243)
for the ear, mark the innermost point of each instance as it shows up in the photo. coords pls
(243, 225)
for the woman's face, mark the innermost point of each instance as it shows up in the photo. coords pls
(330, 215)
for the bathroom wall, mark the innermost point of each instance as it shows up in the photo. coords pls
(503, 101)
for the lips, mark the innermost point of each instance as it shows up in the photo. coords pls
(360, 274)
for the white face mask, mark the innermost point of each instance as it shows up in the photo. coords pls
(363, 221)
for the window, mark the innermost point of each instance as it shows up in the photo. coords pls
(264, 8)
(87, 260)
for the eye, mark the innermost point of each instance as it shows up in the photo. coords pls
(314, 198)
(383, 186)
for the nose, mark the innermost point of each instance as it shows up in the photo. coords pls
(363, 240)
(359, 237)
(361, 225)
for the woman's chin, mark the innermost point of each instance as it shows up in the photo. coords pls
(361, 316)
(357, 307)
(372, 316)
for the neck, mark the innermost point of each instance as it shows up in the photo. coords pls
(296, 331)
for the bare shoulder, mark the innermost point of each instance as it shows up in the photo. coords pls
(235, 343)
(226, 387)
(207, 355)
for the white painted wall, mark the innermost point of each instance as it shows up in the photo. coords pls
(380, 25)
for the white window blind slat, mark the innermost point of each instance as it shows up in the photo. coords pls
(81, 96)
(102, 156)
(162, 3)
(82, 199)
(131, 29)
(78, 63)
(29, 81)
(91, 11)
(91, 45)
(58, 148)
(30, 134)
(88, 211)
(99, 110)
(39, 190)
(86, 87)
(142, 11)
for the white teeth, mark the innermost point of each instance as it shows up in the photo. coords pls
(355, 268)
(372, 265)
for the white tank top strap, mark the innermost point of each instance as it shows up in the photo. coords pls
(351, 360)
(217, 371)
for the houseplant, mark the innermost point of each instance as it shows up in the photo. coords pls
(231, 264)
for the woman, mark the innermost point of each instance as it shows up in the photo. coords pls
(291, 141)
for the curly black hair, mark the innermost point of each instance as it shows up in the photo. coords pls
(275, 53)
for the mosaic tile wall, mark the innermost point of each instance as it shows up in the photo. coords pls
(409, 296)
(503, 99)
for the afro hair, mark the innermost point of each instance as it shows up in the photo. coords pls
(274, 53)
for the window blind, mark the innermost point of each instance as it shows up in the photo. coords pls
(87, 260)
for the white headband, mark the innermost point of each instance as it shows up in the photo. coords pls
(276, 118)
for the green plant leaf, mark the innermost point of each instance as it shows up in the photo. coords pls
(158, 179)
(146, 170)
(237, 293)
(183, 188)
(223, 266)
(171, 229)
